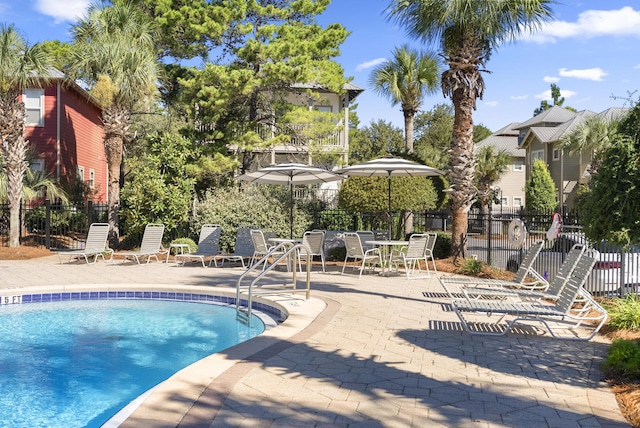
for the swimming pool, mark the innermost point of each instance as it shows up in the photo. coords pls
(77, 362)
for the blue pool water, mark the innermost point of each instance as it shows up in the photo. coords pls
(77, 363)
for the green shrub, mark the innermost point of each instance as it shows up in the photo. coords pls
(442, 250)
(624, 359)
(624, 313)
(193, 247)
(335, 219)
(471, 267)
(337, 254)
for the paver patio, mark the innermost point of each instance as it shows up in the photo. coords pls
(378, 351)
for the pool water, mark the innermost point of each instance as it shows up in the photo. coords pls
(77, 363)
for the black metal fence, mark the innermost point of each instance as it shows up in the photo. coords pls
(63, 227)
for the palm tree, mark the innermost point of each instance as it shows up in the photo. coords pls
(591, 137)
(21, 66)
(467, 31)
(491, 164)
(113, 50)
(406, 80)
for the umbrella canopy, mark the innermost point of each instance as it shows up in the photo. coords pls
(290, 173)
(390, 166)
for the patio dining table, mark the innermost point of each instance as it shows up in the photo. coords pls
(386, 247)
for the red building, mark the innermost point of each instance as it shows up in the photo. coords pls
(64, 127)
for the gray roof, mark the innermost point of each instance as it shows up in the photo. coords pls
(354, 90)
(506, 138)
(554, 115)
(614, 113)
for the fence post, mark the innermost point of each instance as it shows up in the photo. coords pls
(89, 212)
(47, 224)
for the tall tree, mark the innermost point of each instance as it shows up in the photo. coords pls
(467, 31)
(406, 80)
(558, 100)
(540, 191)
(21, 66)
(257, 53)
(374, 140)
(492, 163)
(114, 52)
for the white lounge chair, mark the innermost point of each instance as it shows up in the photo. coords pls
(261, 248)
(355, 251)
(552, 293)
(242, 250)
(208, 245)
(412, 255)
(474, 314)
(526, 277)
(95, 245)
(428, 251)
(150, 246)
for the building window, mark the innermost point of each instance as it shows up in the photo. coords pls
(80, 172)
(324, 109)
(37, 165)
(33, 102)
(556, 154)
(518, 165)
(504, 202)
(517, 201)
(92, 178)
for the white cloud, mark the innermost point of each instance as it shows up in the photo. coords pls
(637, 66)
(587, 74)
(546, 95)
(491, 104)
(591, 23)
(62, 10)
(551, 79)
(370, 64)
(519, 97)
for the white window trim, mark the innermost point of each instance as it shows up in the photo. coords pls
(80, 172)
(36, 165)
(519, 198)
(40, 122)
(556, 154)
(92, 178)
(518, 166)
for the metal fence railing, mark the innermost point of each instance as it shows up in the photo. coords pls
(57, 226)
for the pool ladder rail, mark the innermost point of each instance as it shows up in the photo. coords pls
(288, 252)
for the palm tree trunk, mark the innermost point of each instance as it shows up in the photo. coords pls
(408, 146)
(462, 170)
(14, 149)
(116, 125)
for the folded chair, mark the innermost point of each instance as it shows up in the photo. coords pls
(562, 315)
(355, 251)
(95, 245)
(552, 293)
(207, 245)
(523, 278)
(150, 246)
(412, 255)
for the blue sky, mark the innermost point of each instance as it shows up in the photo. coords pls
(591, 51)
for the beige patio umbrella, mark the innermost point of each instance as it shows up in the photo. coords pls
(290, 173)
(390, 166)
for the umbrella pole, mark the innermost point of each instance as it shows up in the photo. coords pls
(291, 210)
(389, 219)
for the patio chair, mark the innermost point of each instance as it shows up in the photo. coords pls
(95, 245)
(150, 246)
(242, 250)
(207, 245)
(314, 241)
(554, 317)
(261, 249)
(526, 277)
(428, 250)
(366, 235)
(412, 255)
(355, 251)
(556, 285)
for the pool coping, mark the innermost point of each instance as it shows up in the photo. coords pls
(186, 396)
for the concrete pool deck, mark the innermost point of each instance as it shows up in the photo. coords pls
(374, 352)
